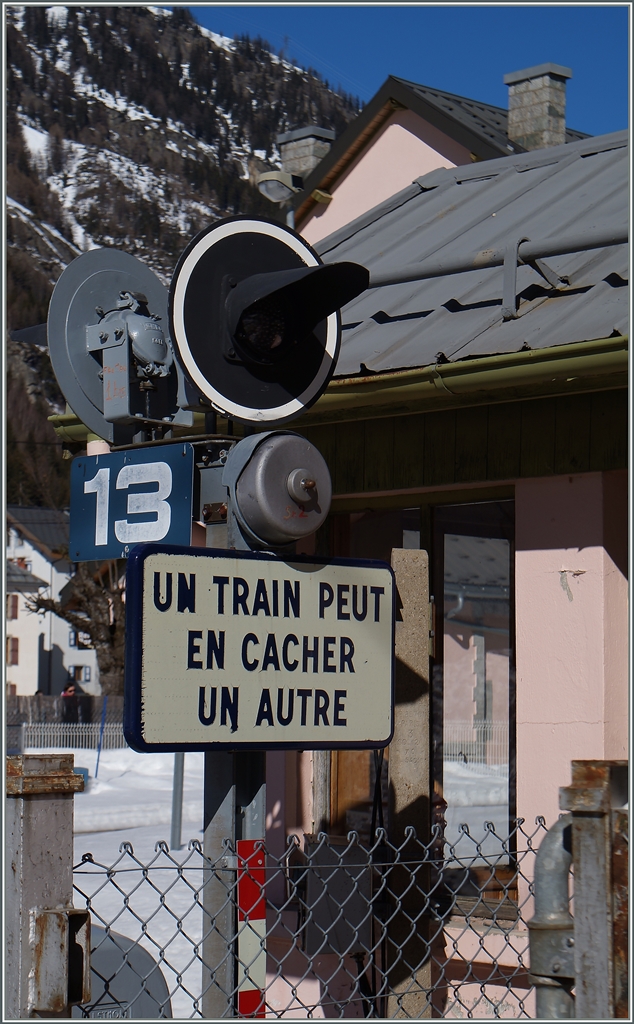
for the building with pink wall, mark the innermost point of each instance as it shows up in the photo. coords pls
(412, 352)
(403, 133)
(459, 410)
(572, 629)
(404, 148)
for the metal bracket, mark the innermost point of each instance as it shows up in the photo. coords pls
(512, 260)
(509, 284)
(549, 275)
(60, 959)
(111, 339)
(110, 334)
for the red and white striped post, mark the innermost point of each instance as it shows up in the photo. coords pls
(251, 928)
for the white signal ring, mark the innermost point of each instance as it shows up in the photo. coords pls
(180, 285)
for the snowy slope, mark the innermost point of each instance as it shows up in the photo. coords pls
(138, 128)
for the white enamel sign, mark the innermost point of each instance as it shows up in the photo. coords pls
(242, 649)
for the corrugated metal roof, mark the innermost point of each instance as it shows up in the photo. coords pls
(491, 122)
(480, 127)
(48, 527)
(454, 212)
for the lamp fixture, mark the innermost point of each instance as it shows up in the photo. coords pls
(279, 186)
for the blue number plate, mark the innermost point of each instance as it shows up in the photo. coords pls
(127, 498)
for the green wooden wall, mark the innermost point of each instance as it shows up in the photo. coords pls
(538, 437)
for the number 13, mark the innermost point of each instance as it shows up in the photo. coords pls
(148, 501)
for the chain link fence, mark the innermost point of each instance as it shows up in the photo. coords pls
(334, 928)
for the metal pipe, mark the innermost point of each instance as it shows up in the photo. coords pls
(177, 800)
(551, 930)
(101, 729)
(528, 250)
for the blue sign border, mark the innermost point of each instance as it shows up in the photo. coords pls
(132, 705)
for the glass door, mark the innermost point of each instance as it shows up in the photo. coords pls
(473, 679)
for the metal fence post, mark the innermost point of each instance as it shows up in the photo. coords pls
(177, 800)
(46, 942)
(597, 798)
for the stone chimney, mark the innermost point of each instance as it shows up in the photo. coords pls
(537, 106)
(304, 148)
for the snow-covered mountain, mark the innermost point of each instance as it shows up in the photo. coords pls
(134, 127)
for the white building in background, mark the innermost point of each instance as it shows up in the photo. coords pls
(43, 652)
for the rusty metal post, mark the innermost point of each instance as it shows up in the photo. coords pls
(47, 942)
(597, 799)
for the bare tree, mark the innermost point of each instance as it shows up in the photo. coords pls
(93, 603)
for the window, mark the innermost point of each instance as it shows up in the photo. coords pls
(13, 650)
(12, 606)
(473, 676)
(86, 675)
(79, 640)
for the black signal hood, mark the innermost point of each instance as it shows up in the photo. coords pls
(269, 314)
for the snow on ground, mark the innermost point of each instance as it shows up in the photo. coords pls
(473, 784)
(476, 793)
(125, 813)
(57, 15)
(44, 231)
(130, 802)
(35, 141)
(156, 908)
(133, 790)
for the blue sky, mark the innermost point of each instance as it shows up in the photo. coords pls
(466, 49)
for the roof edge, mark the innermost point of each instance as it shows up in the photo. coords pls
(49, 553)
(563, 369)
(392, 95)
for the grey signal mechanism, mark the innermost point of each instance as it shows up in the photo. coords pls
(279, 489)
(108, 338)
(254, 314)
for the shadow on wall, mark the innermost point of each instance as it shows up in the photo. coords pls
(52, 674)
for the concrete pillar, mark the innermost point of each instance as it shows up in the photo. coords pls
(38, 876)
(409, 971)
(537, 105)
(321, 791)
